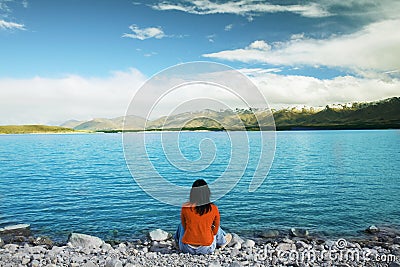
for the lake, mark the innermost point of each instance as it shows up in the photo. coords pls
(334, 183)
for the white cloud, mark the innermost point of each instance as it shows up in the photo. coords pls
(374, 48)
(242, 7)
(50, 100)
(7, 25)
(259, 45)
(289, 90)
(145, 33)
(211, 37)
(228, 27)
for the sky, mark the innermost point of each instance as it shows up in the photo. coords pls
(71, 59)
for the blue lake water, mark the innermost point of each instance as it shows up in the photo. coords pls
(331, 182)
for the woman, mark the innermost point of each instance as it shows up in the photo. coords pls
(199, 231)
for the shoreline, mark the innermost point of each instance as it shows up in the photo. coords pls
(294, 248)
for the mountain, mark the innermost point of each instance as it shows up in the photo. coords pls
(373, 115)
(71, 123)
(101, 124)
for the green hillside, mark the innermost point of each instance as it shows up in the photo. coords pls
(23, 129)
(375, 115)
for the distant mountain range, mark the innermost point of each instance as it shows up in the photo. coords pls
(373, 115)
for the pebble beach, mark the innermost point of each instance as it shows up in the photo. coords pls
(296, 248)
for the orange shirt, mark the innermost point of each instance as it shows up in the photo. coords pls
(198, 229)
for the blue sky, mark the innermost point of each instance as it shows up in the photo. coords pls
(322, 51)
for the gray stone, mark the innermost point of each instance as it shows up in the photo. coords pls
(236, 241)
(43, 240)
(106, 247)
(270, 234)
(159, 248)
(113, 263)
(159, 235)
(16, 230)
(89, 264)
(298, 232)
(237, 246)
(287, 240)
(214, 264)
(11, 247)
(286, 247)
(25, 261)
(372, 229)
(84, 241)
(248, 243)
(396, 240)
(234, 252)
(394, 264)
(1, 243)
(301, 244)
(35, 263)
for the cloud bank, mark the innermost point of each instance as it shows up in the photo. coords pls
(242, 7)
(375, 48)
(43, 100)
(53, 101)
(289, 90)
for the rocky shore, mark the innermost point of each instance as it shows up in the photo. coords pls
(271, 248)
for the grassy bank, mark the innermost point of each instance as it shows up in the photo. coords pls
(25, 129)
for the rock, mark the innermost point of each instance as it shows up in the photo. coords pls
(235, 264)
(372, 229)
(286, 247)
(394, 264)
(159, 235)
(89, 264)
(330, 243)
(237, 246)
(113, 263)
(25, 261)
(43, 240)
(396, 240)
(287, 240)
(298, 232)
(248, 243)
(234, 252)
(84, 241)
(35, 263)
(236, 241)
(301, 245)
(1, 243)
(11, 247)
(269, 234)
(159, 248)
(145, 249)
(106, 247)
(16, 230)
(214, 264)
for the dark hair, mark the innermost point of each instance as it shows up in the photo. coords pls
(200, 196)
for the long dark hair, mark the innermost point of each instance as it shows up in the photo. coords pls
(200, 196)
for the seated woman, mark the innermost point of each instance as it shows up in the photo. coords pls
(199, 231)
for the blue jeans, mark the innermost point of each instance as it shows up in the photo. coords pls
(219, 240)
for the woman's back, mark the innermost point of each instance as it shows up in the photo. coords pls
(199, 229)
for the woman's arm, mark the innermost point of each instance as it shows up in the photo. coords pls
(217, 219)
(183, 220)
